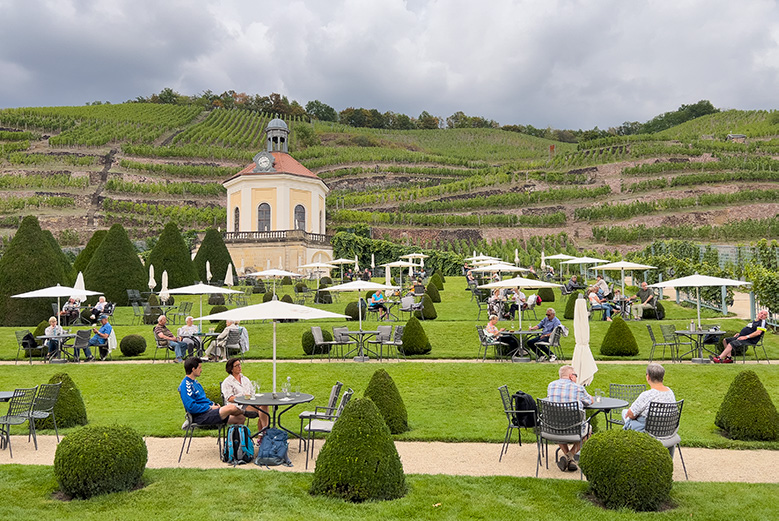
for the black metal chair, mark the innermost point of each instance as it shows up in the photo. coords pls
(340, 342)
(482, 300)
(43, 407)
(189, 427)
(320, 344)
(332, 402)
(669, 335)
(395, 343)
(558, 422)
(671, 345)
(627, 392)
(754, 346)
(160, 343)
(662, 423)
(384, 335)
(323, 422)
(18, 412)
(485, 343)
(233, 344)
(29, 345)
(80, 343)
(508, 408)
(553, 344)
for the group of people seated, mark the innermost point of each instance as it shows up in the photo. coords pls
(612, 303)
(505, 303)
(186, 341)
(545, 328)
(101, 339)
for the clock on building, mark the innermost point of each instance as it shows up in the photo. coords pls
(264, 161)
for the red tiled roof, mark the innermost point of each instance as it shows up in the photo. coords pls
(285, 164)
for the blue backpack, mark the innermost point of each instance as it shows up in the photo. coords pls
(273, 449)
(239, 448)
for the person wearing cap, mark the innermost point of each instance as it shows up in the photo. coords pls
(99, 339)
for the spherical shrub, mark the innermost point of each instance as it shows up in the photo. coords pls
(259, 286)
(286, 281)
(353, 310)
(437, 281)
(650, 313)
(359, 461)
(415, 341)
(747, 412)
(428, 311)
(384, 393)
(327, 281)
(216, 299)
(214, 393)
(619, 340)
(307, 341)
(69, 409)
(432, 290)
(570, 305)
(546, 294)
(100, 459)
(300, 286)
(627, 469)
(132, 345)
(323, 297)
(217, 309)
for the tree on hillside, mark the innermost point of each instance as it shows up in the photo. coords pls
(59, 255)
(171, 254)
(427, 121)
(321, 111)
(115, 267)
(29, 263)
(213, 250)
(679, 116)
(82, 261)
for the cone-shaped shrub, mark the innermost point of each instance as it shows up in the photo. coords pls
(287, 298)
(115, 267)
(307, 341)
(627, 469)
(437, 281)
(747, 412)
(69, 409)
(267, 297)
(359, 461)
(29, 263)
(83, 258)
(100, 459)
(213, 250)
(172, 254)
(132, 345)
(546, 294)
(415, 341)
(570, 306)
(286, 280)
(432, 290)
(41, 329)
(67, 268)
(619, 340)
(428, 311)
(384, 393)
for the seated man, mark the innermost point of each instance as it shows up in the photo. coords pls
(567, 390)
(100, 338)
(165, 337)
(546, 326)
(747, 337)
(217, 351)
(573, 284)
(203, 410)
(602, 287)
(99, 308)
(635, 416)
(645, 298)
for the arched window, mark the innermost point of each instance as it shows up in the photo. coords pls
(300, 217)
(321, 222)
(237, 220)
(263, 218)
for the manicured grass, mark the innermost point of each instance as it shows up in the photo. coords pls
(445, 401)
(234, 494)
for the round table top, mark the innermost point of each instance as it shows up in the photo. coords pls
(6, 395)
(607, 403)
(700, 332)
(268, 399)
(63, 335)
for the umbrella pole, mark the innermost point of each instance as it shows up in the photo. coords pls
(698, 294)
(274, 358)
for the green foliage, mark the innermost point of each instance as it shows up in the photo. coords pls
(619, 340)
(214, 393)
(216, 299)
(546, 294)
(267, 297)
(286, 280)
(69, 409)
(359, 461)
(570, 305)
(29, 263)
(287, 298)
(325, 281)
(67, 267)
(628, 469)
(432, 291)
(747, 411)
(171, 254)
(384, 393)
(154, 310)
(437, 281)
(100, 459)
(213, 250)
(132, 345)
(648, 313)
(353, 311)
(307, 341)
(217, 309)
(428, 311)
(41, 328)
(115, 267)
(415, 341)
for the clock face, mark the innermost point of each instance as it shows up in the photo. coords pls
(264, 162)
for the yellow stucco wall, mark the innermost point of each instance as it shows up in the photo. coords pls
(264, 195)
(297, 197)
(235, 201)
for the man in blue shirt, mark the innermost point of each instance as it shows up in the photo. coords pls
(566, 389)
(203, 410)
(99, 339)
(546, 326)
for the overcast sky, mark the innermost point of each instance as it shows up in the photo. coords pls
(560, 63)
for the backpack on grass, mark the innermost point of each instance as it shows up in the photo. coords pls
(273, 449)
(238, 448)
(524, 402)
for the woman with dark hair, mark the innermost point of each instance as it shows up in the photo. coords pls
(237, 385)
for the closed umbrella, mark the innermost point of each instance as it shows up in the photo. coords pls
(356, 264)
(164, 293)
(208, 272)
(373, 262)
(79, 285)
(583, 362)
(152, 283)
(229, 275)
(242, 270)
(516, 256)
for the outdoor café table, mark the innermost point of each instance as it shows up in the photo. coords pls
(623, 305)
(205, 335)
(391, 304)
(359, 336)
(63, 338)
(5, 396)
(697, 337)
(267, 399)
(520, 334)
(605, 405)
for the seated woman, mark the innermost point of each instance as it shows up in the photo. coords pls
(187, 335)
(237, 385)
(495, 303)
(518, 301)
(376, 301)
(70, 311)
(635, 416)
(469, 278)
(597, 303)
(53, 344)
(99, 308)
(493, 333)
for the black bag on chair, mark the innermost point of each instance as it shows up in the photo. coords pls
(29, 342)
(524, 402)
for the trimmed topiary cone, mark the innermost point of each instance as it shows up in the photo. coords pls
(359, 461)
(115, 267)
(747, 412)
(627, 469)
(415, 341)
(100, 459)
(83, 258)
(570, 306)
(428, 310)
(213, 250)
(437, 281)
(384, 393)
(69, 409)
(432, 290)
(619, 340)
(546, 294)
(172, 254)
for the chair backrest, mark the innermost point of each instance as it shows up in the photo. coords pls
(385, 333)
(21, 402)
(482, 335)
(234, 337)
(54, 309)
(334, 392)
(651, 333)
(662, 419)
(554, 338)
(316, 332)
(185, 308)
(627, 392)
(20, 336)
(505, 396)
(406, 303)
(136, 308)
(419, 290)
(560, 418)
(344, 400)
(668, 332)
(82, 339)
(46, 398)
(339, 334)
(398, 338)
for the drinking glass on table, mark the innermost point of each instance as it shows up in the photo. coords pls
(297, 390)
(598, 395)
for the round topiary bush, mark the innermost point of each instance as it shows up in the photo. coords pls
(627, 469)
(650, 313)
(286, 280)
(747, 412)
(132, 345)
(428, 310)
(267, 297)
(100, 459)
(300, 286)
(415, 341)
(307, 341)
(216, 299)
(432, 290)
(217, 309)
(69, 409)
(570, 305)
(359, 461)
(546, 294)
(352, 310)
(619, 340)
(323, 297)
(437, 281)
(327, 281)
(384, 393)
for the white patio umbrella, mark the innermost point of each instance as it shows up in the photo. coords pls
(164, 293)
(55, 292)
(229, 275)
(79, 285)
(361, 285)
(273, 310)
(200, 289)
(273, 274)
(209, 276)
(622, 266)
(319, 267)
(356, 264)
(583, 362)
(521, 283)
(501, 268)
(560, 257)
(152, 283)
(583, 261)
(398, 264)
(699, 281)
(482, 257)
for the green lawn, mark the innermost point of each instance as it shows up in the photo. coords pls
(233, 494)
